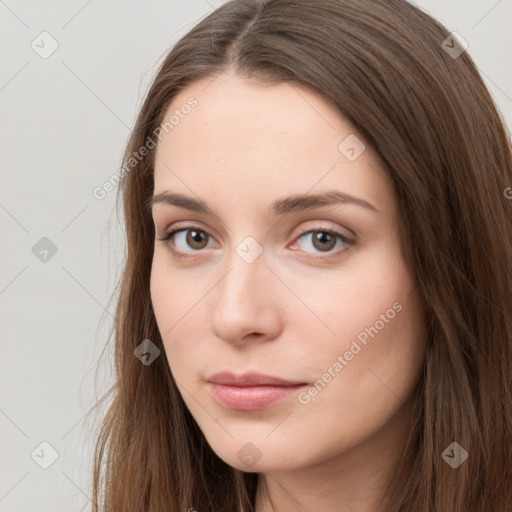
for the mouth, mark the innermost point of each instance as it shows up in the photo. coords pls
(250, 391)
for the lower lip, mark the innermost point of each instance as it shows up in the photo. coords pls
(251, 398)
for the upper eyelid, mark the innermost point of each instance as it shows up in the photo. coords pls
(197, 224)
(185, 226)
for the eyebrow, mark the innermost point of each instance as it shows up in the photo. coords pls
(278, 208)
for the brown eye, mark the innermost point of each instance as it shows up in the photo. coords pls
(186, 240)
(323, 240)
(196, 239)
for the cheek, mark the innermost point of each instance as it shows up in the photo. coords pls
(367, 299)
(376, 355)
(369, 328)
(162, 295)
(180, 305)
(359, 385)
(170, 304)
(173, 292)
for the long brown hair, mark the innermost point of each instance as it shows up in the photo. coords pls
(425, 110)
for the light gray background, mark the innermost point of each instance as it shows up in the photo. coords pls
(65, 120)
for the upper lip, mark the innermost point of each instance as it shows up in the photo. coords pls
(250, 379)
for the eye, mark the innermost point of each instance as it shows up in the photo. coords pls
(194, 237)
(324, 241)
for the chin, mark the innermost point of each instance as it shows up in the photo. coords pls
(259, 456)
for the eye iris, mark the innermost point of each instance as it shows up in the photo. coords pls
(194, 237)
(322, 237)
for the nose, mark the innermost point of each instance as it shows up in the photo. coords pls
(246, 304)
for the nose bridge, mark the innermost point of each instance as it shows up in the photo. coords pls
(246, 270)
(242, 304)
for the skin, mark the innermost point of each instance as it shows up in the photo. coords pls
(243, 146)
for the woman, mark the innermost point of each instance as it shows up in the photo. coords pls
(315, 310)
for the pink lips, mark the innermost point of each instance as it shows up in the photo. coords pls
(250, 391)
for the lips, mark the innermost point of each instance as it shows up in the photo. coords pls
(250, 391)
(251, 379)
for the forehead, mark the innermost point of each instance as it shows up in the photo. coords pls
(258, 140)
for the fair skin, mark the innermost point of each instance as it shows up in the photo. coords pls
(242, 147)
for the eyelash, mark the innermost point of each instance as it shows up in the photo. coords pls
(346, 240)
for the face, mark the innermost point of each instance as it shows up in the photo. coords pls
(259, 276)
